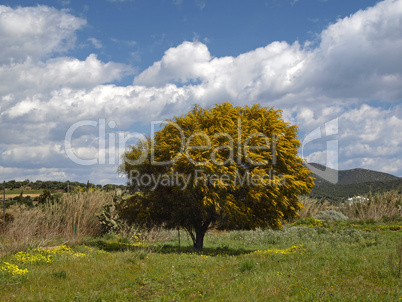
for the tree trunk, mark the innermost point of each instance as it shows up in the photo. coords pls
(199, 239)
(197, 234)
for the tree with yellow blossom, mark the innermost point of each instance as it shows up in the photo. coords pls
(225, 167)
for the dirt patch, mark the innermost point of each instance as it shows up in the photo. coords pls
(9, 196)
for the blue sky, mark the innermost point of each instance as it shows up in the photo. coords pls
(139, 32)
(133, 62)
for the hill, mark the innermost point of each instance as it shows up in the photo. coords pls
(351, 183)
(353, 176)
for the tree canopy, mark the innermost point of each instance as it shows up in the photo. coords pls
(225, 167)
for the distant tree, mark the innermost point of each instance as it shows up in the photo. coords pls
(227, 167)
(24, 200)
(45, 197)
(11, 184)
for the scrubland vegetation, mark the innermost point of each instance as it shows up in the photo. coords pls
(76, 249)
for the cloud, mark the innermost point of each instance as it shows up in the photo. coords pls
(368, 136)
(122, 104)
(357, 61)
(44, 174)
(293, 2)
(359, 57)
(96, 43)
(178, 3)
(38, 77)
(201, 4)
(269, 72)
(35, 32)
(353, 74)
(181, 64)
(33, 155)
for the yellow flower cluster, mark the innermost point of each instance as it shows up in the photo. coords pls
(102, 252)
(13, 269)
(287, 251)
(197, 254)
(42, 255)
(79, 255)
(117, 243)
(25, 258)
(135, 237)
(39, 255)
(315, 222)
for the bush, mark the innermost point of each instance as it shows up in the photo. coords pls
(394, 218)
(331, 215)
(375, 206)
(309, 222)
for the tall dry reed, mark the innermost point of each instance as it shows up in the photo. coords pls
(71, 218)
(312, 206)
(375, 206)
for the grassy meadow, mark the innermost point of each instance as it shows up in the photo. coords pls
(312, 259)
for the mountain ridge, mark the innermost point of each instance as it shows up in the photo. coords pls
(350, 183)
(351, 176)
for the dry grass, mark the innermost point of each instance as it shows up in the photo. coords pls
(312, 206)
(376, 206)
(72, 218)
(152, 235)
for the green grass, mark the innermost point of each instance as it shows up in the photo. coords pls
(372, 225)
(338, 264)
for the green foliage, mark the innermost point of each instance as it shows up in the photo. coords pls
(393, 218)
(37, 187)
(369, 225)
(241, 166)
(331, 215)
(19, 191)
(338, 193)
(109, 218)
(309, 222)
(45, 197)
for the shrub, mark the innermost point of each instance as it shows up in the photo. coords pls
(394, 218)
(331, 215)
(309, 222)
(375, 206)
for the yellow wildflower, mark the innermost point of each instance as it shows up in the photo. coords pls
(13, 269)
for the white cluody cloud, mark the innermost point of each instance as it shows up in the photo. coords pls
(353, 74)
(42, 77)
(95, 42)
(35, 32)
